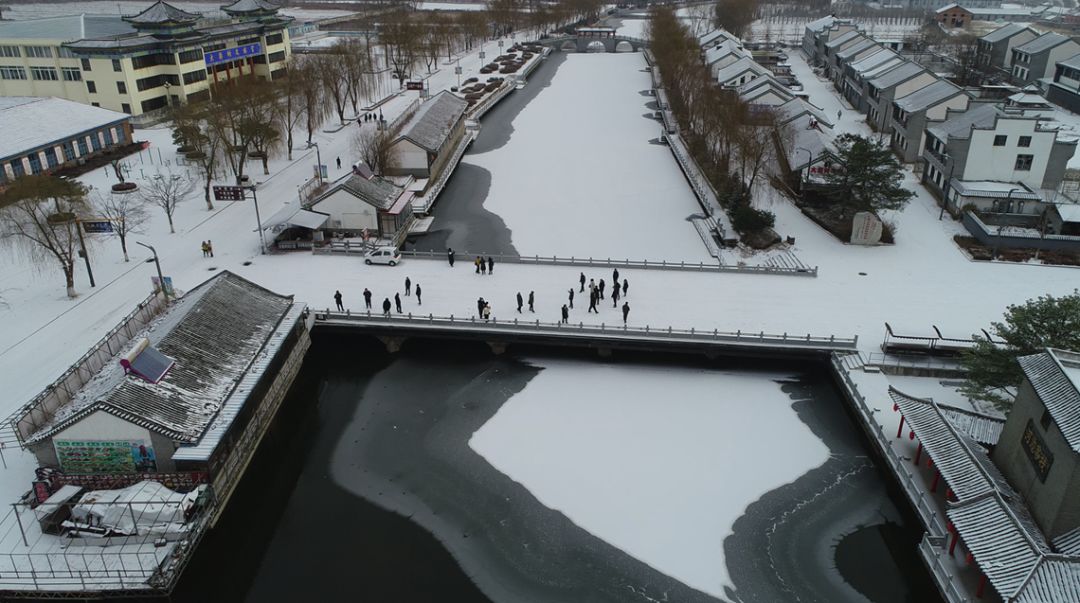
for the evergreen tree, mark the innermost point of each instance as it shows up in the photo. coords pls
(1047, 321)
(870, 177)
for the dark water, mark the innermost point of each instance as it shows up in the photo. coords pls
(369, 458)
(461, 221)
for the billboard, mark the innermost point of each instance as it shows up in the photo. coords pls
(231, 54)
(97, 226)
(105, 456)
(414, 85)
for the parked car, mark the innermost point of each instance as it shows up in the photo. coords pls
(383, 255)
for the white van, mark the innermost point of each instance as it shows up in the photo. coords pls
(383, 255)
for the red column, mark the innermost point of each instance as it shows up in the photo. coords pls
(952, 545)
(900, 430)
(937, 478)
(969, 558)
(982, 586)
(918, 454)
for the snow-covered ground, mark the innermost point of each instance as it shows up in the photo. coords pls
(634, 28)
(452, 6)
(660, 476)
(580, 177)
(37, 10)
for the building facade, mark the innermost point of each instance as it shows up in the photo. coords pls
(1065, 89)
(145, 62)
(910, 114)
(1036, 60)
(428, 138)
(953, 15)
(994, 50)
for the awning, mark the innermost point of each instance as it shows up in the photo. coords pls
(292, 215)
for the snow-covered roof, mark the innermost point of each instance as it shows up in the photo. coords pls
(801, 138)
(797, 107)
(65, 29)
(822, 23)
(294, 215)
(993, 189)
(877, 64)
(1069, 212)
(739, 67)
(246, 7)
(843, 38)
(856, 48)
(1068, 543)
(948, 7)
(1043, 43)
(213, 333)
(985, 13)
(1073, 61)
(762, 85)
(720, 51)
(959, 125)
(1005, 32)
(1055, 375)
(432, 122)
(161, 13)
(30, 122)
(376, 191)
(897, 75)
(928, 96)
(714, 35)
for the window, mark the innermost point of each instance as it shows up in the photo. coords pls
(151, 60)
(213, 47)
(277, 56)
(247, 41)
(194, 76)
(95, 104)
(126, 108)
(82, 146)
(50, 157)
(1023, 162)
(12, 73)
(86, 64)
(95, 142)
(38, 52)
(121, 87)
(189, 56)
(35, 163)
(10, 51)
(273, 39)
(69, 151)
(17, 167)
(116, 65)
(154, 103)
(1046, 420)
(45, 74)
(1025, 141)
(66, 53)
(71, 74)
(91, 87)
(108, 136)
(1000, 140)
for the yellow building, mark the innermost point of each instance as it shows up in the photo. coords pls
(141, 63)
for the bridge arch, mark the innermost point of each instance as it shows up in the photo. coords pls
(595, 46)
(624, 46)
(569, 46)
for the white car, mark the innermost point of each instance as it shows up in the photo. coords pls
(383, 255)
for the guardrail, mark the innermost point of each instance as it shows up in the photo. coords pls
(590, 331)
(916, 496)
(433, 191)
(551, 260)
(921, 362)
(944, 578)
(505, 87)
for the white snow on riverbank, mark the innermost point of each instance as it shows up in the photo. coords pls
(658, 462)
(580, 176)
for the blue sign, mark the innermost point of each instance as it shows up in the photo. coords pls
(231, 54)
(97, 226)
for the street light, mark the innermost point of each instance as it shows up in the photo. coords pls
(809, 160)
(318, 158)
(157, 264)
(945, 157)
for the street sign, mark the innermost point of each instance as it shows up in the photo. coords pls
(482, 55)
(319, 171)
(414, 85)
(97, 226)
(156, 283)
(457, 70)
(228, 193)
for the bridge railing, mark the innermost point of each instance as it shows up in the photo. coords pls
(552, 260)
(586, 330)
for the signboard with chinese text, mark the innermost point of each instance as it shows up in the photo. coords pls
(168, 285)
(97, 226)
(414, 85)
(231, 54)
(228, 193)
(1035, 449)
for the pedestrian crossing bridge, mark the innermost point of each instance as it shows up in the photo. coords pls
(395, 329)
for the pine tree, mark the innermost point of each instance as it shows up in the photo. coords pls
(870, 177)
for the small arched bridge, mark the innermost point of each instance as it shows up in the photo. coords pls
(593, 43)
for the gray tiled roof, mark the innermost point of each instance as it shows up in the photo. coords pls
(213, 333)
(1003, 33)
(928, 96)
(842, 38)
(162, 12)
(897, 75)
(856, 48)
(1073, 61)
(66, 29)
(1054, 375)
(958, 125)
(250, 6)
(377, 191)
(873, 60)
(1042, 43)
(821, 23)
(738, 68)
(430, 126)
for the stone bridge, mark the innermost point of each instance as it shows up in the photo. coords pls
(587, 43)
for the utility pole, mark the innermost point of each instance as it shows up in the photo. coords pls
(258, 220)
(83, 253)
(157, 264)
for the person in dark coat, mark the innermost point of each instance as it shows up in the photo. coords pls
(531, 302)
(615, 275)
(600, 288)
(571, 297)
(408, 287)
(450, 256)
(593, 296)
(614, 297)
(483, 265)
(565, 313)
(397, 302)
(582, 281)
(521, 301)
(491, 265)
(625, 311)
(625, 286)
(476, 264)
(418, 302)
(337, 300)
(480, 306)
(386, 306)
(339, 163)
(367, 298)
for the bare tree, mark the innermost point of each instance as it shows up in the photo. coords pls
(402, 41)
(375, 148)
(127, 213)
(315, 107)
(167, 191)
(240, 115)
(357, 72)
(735, 15)
(40, 214)
(191, 131)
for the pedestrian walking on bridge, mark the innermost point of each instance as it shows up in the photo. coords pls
(480, 303)
(408, 287)
(593, 296)
(337, 300)
(397, 302)
(571, 297)
(582, 281)
(450, 256)
(600, 288)
(625, 311)
(386, 306)
(531, 302)
(521, 301)
(625, 286)
(418, 302)
(565, 313)
(367, 298)
(614, 297)
(491, 265)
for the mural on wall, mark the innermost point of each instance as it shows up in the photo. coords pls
(105, 456)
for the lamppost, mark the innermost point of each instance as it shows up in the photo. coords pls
(157, 264)
(168, 98)
(318, 158)
(946, 189)
(809, 160)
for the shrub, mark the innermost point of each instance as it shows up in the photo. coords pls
(124, 187)
(748, 219)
